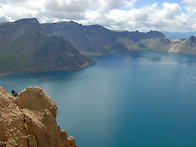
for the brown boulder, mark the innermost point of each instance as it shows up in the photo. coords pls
(29, 120)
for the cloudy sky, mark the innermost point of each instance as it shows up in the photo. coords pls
(142, 15)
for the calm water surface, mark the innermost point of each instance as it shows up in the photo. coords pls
(135, 99)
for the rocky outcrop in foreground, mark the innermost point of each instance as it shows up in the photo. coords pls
(29, 120)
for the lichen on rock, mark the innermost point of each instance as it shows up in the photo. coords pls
(29, 120)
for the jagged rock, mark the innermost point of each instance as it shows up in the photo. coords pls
(11, 121)
(71, 141)
(32, 142)
(2, 144)
(29, 120)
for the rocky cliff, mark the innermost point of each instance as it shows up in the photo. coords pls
(187, 46)
(95, 39)
(26, 48)
(29, 120)
(89, 40)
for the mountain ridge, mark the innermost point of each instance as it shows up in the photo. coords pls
(26, 48)
(97, 40)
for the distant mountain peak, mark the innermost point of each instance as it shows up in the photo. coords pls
(155, 34)
(26, 48)
(44, 49)
(29, 21)
(65, 22)
(73, 22)
(192, 39)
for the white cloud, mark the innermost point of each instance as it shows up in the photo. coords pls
(107, 5)
(190, 6)
(114, 14)
(67, 5)
(169, 17)
(170, 11)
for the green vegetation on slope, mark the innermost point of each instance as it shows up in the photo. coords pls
(27, 49)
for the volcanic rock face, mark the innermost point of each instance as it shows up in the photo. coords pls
(29, 120)
(26, 48)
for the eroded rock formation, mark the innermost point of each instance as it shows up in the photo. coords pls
(29, 120)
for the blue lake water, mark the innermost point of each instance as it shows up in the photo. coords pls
(135, 99)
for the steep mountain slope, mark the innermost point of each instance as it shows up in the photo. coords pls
(92, 39)
(187, 46)
(138, 40)
(95, 39)
(26, 48)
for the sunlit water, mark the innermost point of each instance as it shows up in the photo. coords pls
(136, 99)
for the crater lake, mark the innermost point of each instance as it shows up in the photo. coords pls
(136, 99)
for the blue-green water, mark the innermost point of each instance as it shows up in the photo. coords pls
(136, 99)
